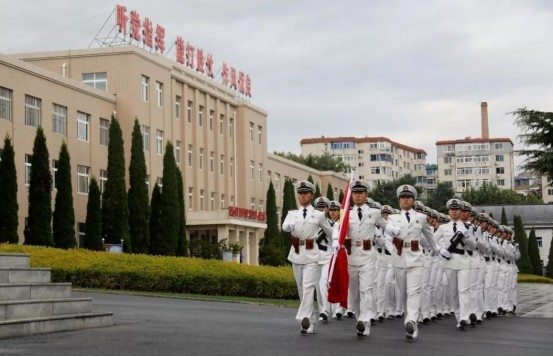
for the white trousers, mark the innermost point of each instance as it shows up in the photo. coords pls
(433, 287)
(409, 282)
(425, 292)
(307, 276)
(503, 282)
(361, 283)
(391, 308)
(473, 302)
(322, 290)
(480, 289)
(459, 289)
(380, 290)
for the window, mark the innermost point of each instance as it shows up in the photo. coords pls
(251, 169)
(500, 182)
(374, 157)
(251, 132)
(189, 111)
(5, 103)
(190, 197)
(104, 132)
(82, 233)
(259, 134)
(539, 240)
(201, 163)
(28, 159)
(189, 155)
(103, 179)
(277, 182)
(222, 165)
(260, 172)
(82, 126)
(82, 179)
(145, 88)
(159, 142)
(375, 170)
(32, 111)
(212, 201)
(232, 200)
(231, 127)
(159, 94)
(202, 200)
(260, 206)
(211, 115)
(447, 160)
(252, 203)
(231, 164)
(499, 158)
(498, 146)
(159, 182)
(59, 119)
(201, 116)
(221, 123)
(211, 161)
(146, 137)
(550, 191)
(447, 172)
(177, 152)
(499, 170)
(54, 169)
(96, 80)
(177, 107)
(222, 200)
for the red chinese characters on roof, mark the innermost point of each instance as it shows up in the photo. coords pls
(189, 55)
(122, 18)
(160, 38)
(179, 45)
(209, 65)
(147, 32)
(225, 74)
(135, 25)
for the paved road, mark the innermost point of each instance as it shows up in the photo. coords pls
(165, 326)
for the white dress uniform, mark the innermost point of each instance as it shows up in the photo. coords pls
(474, 258)
(503, 280)
(383, 247)
(304, 224)
(326, 252)
(481, 249)
(457, 267)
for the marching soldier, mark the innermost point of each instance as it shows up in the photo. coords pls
(323, 242)
(304, 224)
(474, 258)
(383, 264)
(408, 229)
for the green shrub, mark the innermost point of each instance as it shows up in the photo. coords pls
(529, 278)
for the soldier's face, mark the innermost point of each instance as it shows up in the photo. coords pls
(465, 215)
(334, 214)
(359, 197)
(406, 202)
(322, 208)
(454, 213)
(305, 198)
(484, 225)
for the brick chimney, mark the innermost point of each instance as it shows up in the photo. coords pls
(485, 128)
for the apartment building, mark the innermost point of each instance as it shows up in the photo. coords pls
(472, 162)
(375, 159)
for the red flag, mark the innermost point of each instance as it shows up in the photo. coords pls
(338, 276)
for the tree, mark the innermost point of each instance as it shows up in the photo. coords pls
(154, 219)
(139, 207)
(39, 228)
(8, 191)
(341, 196)
(271, 250)
(524, 264)
(385, 192)
(310, 179)
(489, 194)
(504, 217)
(437, 199)
(288, 203)
(330, 192)
(182, 243)
(537, 136)
(115, 209)
(324, 162)
(317, 193)
(534, 253)
(169, 208)
(63, 224)
(93, 230)
(549, 267)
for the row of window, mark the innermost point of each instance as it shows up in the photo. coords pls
(474, 171)
(473, 147)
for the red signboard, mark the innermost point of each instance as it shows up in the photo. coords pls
(246, 213)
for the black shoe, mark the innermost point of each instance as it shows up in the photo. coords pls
(425, 320)
(473, 319)
(323, 316)
(360, 328)
(305, 325)
(514, 308)
(338, 316)
(446, 314)
(373, 322)
(433, 318)
(463, 324)
(380, 318)
(500, 311)
(494, 314)
(350, 314)
(398, 316)
(439, 316)
(409, 330)
(488, 314)
(479, 322)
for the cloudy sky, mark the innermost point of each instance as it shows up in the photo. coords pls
(413, 71)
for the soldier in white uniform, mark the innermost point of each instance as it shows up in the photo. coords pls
(512, 302)
(408, 229)
(361, 255)
(323, 243)
(482, 248)
(474, 258)
(304, 224)
(454, 239)
(383, 264)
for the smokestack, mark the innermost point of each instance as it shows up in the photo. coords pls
(485, 128)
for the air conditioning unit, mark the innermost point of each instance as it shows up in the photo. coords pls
(497, 176)
(496, 164)
(450, 165)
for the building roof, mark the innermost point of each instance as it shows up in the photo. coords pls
(532, 215)
(475, 140)
(366, 139)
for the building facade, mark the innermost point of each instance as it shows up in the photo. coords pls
(375, 159)
(220, 140)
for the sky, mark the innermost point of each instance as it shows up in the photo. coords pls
(412, 71)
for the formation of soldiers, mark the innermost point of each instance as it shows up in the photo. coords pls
(413, 262)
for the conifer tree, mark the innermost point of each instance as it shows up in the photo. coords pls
(524, 264)
(169, 208)
(115, 209)
(534, 253)
(139, 207)
(154, 220)
(341, 196)
(8, 191)
(93, 230)
(63, 224)
(287, 205)
(310, 179)
(317, 191)
(549, 267)
(504, 217)
(39, 228)
(182, 243)
(271, 250)
(330, 192)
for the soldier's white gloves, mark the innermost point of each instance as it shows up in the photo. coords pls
(290, 227)
(377, 232)
(463, 230)
(445, 253)
(395, 231)
(335, 244)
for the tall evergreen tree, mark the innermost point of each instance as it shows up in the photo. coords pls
(39, 227)
(317, 191)
(330, 192)
(169, 206)
(139, 207)
(504, 217)
(115, 209)
(341, 196)
(534, 253)
(524, 264)
(93, 230)
(63, 224)
(8, 191)
(182, 243)
(310, 179)
(440, 196)
(154, 220)
(271, 251)
(287, 205)
(549, 267)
